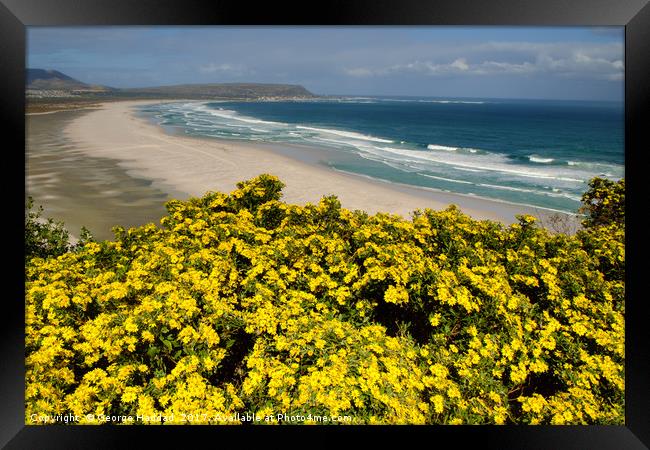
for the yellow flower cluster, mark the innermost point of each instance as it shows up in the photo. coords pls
(241, 304)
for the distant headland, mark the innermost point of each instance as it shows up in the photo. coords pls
(52, 90)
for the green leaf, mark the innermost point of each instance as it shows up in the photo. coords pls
(167, 343)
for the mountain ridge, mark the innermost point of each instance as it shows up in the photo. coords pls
(49, 79)
(41, 81)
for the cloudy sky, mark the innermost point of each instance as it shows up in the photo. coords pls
(583, 63)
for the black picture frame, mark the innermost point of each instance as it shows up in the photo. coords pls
(16, 15)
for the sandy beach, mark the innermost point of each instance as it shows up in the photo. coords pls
(187, 166)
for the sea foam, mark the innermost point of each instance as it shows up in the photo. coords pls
(537, 159)
(348, 134)
(441, 147)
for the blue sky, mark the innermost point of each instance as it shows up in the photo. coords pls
(570, 63)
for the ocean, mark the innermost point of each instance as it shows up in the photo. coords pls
(532, 152)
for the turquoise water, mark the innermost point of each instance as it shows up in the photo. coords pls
(538, 153)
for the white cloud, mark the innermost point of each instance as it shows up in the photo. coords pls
(358, 72)
(460, 64)
(589, 61)
(497, 67)
(224, 68)
(424, 67)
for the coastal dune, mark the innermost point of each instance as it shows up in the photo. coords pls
(188, 166)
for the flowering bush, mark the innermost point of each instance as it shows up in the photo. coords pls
(242, 304)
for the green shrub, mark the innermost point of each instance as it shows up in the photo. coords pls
(604, 203)
(43, 237)
(46, 238)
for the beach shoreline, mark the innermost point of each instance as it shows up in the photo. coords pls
(193, 166)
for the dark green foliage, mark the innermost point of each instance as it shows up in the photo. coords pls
(604, 203)
(45, 238)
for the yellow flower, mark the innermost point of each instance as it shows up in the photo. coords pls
(130, 394)
(438, 403)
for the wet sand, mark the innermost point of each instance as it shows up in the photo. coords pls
(82, 190)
